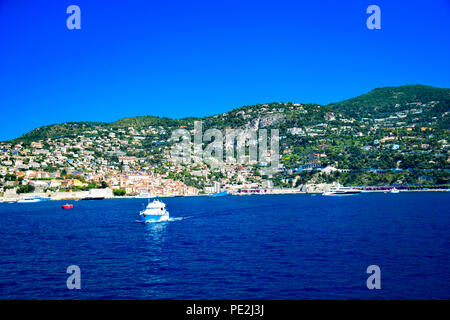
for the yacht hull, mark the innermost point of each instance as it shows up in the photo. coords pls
(29, 201)
(347, 193)
(155, 218)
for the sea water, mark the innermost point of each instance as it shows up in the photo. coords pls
(249, 247)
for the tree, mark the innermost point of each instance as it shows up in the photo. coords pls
(10, 177)
(119, 192)
(103, 185)
(25, 188)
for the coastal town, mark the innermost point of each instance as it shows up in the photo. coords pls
(319, 146)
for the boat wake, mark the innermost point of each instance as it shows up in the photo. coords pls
(164, 221)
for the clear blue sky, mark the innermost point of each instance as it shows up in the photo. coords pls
(194, 58)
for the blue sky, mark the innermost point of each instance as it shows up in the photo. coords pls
(195, 58)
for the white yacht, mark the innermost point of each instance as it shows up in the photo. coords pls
(394, 190)
(155, 212)
(29, 200)
(144, 195)
(339, 191)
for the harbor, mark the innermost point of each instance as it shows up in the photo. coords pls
(108, 193)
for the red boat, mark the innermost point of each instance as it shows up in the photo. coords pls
(67, 206)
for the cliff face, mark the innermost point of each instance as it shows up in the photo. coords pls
(266, 121)
(316, 188)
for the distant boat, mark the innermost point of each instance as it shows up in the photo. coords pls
(93, 198)
(394, 190)
(340, 191)
(33, 199)
(155, 212)
(220, 194)
(29, 200)
(144, 195)
(67, 206)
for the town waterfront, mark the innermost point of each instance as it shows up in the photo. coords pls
(298, 246)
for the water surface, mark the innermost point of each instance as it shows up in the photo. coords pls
(249, 247)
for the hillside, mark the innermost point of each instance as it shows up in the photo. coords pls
(378, 103)
(383, 101)
(143, 121)
(68, 129)
(387, 136)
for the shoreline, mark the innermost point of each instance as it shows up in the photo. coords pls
(16, 199)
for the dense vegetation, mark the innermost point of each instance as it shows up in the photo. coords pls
(382, 101)
(402, 131)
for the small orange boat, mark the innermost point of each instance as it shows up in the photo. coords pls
(67, 206)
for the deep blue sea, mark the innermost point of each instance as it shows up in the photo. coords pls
(249, 247)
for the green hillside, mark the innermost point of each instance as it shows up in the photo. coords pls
(378, 103)
(143, 121)
(68, 129)
(383, 101)
(400, 132)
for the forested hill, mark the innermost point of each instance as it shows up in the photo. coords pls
(379, 103)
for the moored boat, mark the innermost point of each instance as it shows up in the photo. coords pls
(220, 194)
(67, 206)
(33, 199)
(144, 195)
(29, 200)
(93, 198)
(341, 191)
